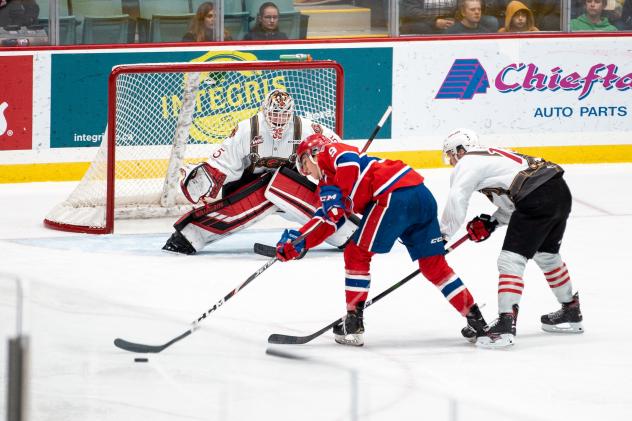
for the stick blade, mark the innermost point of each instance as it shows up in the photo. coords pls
(264, 250)
(138, 348)
(277, 338)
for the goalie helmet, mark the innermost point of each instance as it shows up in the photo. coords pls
(465, 139)
(310, 147)
(278, 109)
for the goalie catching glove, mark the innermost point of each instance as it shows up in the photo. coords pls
(286, 250)
(480, 228)
(198, 181)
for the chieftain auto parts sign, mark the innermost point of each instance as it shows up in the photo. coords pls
(467, 78)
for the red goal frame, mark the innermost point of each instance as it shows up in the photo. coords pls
(117, 71)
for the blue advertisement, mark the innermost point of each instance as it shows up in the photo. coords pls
(79, 84)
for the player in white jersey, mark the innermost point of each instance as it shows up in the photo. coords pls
(251, 175)
(534, 202)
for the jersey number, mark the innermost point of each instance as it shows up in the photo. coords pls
(514, 157)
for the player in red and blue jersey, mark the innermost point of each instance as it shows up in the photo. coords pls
(394, 204)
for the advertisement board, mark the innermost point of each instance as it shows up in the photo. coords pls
(16, 103)
(79, 87)
(517, 91)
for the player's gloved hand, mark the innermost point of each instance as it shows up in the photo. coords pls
(480, 228)
(332, 199)
(288, 251)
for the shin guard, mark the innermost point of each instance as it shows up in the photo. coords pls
(437, 271)
(357, 275)
(556, 275)
(510, 284)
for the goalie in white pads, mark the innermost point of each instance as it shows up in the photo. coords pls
(251, 175)
(534, 202)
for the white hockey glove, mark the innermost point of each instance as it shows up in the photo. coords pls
(200, 180)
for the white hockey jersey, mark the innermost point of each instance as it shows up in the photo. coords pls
(261, 149)
(492, 171)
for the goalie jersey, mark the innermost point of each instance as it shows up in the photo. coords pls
(253, 146)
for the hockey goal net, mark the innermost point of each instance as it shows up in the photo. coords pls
(161, 116)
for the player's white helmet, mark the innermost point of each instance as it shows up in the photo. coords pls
(465, 139)
(278, 109)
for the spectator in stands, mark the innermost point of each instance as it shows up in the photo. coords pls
(433, 17)
(518, 18)
(426, 17)
(620, 15)
(267, 26)
(547, 14)
(625, 23)
(469, 19)
(203, 25)
(592, 19)
(18, 12)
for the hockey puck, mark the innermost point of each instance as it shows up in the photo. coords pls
(141, 360)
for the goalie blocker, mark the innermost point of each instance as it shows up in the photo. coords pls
(256, 197)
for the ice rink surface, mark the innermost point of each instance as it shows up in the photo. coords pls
(83, 291)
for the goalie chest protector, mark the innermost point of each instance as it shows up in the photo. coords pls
(271, 162)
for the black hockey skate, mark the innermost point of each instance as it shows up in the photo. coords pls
(351, 330)
(568, 319)
(178, 243)
(476, 325)
(502, 331)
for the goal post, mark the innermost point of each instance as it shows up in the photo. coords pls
(163, 115)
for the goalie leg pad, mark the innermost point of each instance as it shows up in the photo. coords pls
(293, 194)
(239, 210)
(296, 196)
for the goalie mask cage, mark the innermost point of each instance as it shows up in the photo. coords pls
(161, 116)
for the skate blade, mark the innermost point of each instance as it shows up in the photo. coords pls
(351, 339)
(498, 341)
(564, 328)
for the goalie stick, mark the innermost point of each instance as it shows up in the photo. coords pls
(144, 348)
(277, 338)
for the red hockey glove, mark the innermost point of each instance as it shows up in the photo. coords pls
(480, 228)
(288, 251)
(331, 198)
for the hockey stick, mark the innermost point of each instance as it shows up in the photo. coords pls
(270, 251)
(377, 129)
(264, 250)
(153, 349)
(277, 338)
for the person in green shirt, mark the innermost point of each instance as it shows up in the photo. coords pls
(592, 19)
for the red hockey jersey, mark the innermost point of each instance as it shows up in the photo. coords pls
(361, 178)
